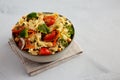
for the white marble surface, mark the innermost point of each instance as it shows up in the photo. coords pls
(97, 24)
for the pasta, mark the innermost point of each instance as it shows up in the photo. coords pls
(43, 33)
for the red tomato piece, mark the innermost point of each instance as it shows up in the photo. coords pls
(49, 20)
(18, 29)
(50, 36)
(44, 51)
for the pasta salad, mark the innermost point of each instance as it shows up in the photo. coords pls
(43, 33)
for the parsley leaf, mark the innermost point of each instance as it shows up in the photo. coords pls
(24, 33)
(43, 28)
(32, 15)
(70, 30)
(63, 42)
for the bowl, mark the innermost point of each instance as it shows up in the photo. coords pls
(38, 57)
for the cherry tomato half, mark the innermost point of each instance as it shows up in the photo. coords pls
(49, 20)
(44, 51)
(50, 36)
(18, 29)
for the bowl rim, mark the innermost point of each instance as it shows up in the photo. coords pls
(56, 52)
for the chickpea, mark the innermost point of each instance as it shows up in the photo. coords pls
(16, 39)
(59, 49)
(50, 44)
(69, 40)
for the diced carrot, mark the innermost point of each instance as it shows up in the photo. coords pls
(31, 32)
(56, 38)
(28, 45)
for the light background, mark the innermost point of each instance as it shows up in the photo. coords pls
(97, 25)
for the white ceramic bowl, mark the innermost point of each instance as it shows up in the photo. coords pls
(48, 58)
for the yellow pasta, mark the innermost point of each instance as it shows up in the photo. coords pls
(42, 30)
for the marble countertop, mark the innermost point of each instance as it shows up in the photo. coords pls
(97, 26)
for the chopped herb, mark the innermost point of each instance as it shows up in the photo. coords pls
(63, 42)
(32, 15)
(43, 28)
(24, 33)
(70, 30)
